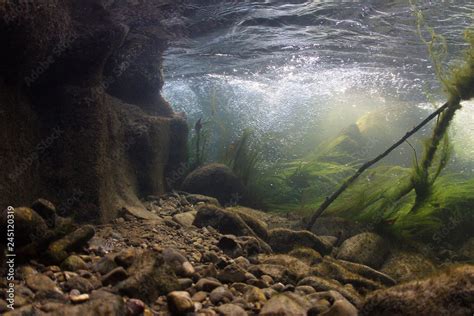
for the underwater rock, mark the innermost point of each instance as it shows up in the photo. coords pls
(231, 310)
(341, 308)
(295, 267)
(185, 219)
(58, 250)
(224, 221)
(323, 284)
(467, 249)
(149, 278)
(277, 272)
(180, 303)
(286, 304)
(46, 210)
(366, 271)
(330, 268)
(285, 240)
(258, 226)
(216, 180)
(32, 226)
(73, 263)
(448, 293)
(307, 255)
(406, 266)
(367, 248)
(199, 198)
(101, 303)
(336, 226)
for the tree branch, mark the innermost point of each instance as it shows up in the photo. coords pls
(330, 199)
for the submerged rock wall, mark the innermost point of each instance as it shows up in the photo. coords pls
(82, 118)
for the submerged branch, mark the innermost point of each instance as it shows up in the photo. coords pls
(330, 199)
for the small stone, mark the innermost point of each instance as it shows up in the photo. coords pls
(305, 289)
(73, 263)
(258, 283)
(40, 282)
(185, 283)
(254, 295)
(46, 210)
(285, 305)
(242, 261)
(114, 276)
(185, 219)
(231, 274)
(206, 312)
(80, 298)
(135, 307)
(126, 257)
(221, 295)
(207, 285)
(268, 279)
(231, 310)
(199, 296)
(319, 307)
(180, 303)
(24, 271)
(341, 308)
(105, 264)
(74, 292)
(278, 287)
(79, 283)
(187, 269)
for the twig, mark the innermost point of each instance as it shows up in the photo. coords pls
(330, 199)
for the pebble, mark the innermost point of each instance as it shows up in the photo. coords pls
(221, 295)
(76, 299)
(180, 303)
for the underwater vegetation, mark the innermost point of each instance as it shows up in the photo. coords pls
(242, 156)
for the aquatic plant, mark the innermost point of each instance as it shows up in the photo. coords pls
(242, 156)
(459, 86)
(198, 145)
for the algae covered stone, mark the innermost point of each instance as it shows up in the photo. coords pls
(285, 240)
(367, 248)
(216, 180)
(449, 293)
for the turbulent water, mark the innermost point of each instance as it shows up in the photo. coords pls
(298, 71)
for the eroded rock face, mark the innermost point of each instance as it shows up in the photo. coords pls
(80, 86)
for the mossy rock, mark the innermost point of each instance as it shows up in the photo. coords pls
(406, 266)
(367, 248)
(29, 225)
(284, 240)
(58, 250)
(216, 180)
(249, 216)
(224, 221)
(324, 284)
(149, 278)
(448, 293)
(296, 267)
(73, 263)
(307, 255)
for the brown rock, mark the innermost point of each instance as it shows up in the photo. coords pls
(286, 304)
(180, 303)
(114, 276)
(366, 248)
(149, 278)
(220, 295)
(231, 310)
(448, 293)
